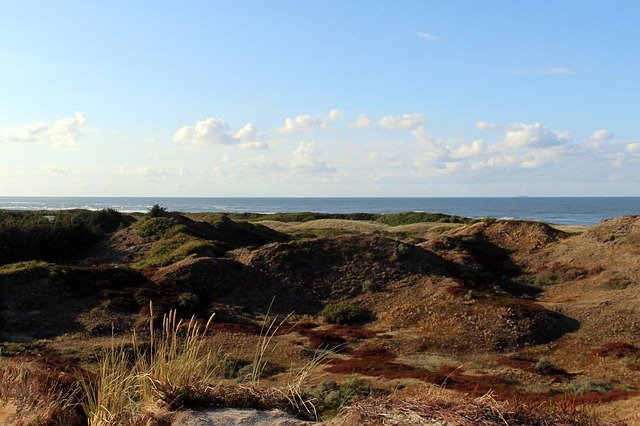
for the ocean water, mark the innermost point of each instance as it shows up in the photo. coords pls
(560, 210)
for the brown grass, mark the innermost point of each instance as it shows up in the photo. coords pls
(31, 395)
(436, 406)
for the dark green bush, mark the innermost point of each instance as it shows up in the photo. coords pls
(158, 210)
(33, 236)
(344, 313)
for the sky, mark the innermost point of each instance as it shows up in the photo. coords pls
(319, 98)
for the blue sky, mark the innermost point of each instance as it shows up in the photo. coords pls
(331, 98)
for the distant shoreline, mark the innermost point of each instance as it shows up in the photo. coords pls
(558, 210)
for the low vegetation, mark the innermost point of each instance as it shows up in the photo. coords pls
(467, 329)
(392, 219)
(344, 313)
(54, 235)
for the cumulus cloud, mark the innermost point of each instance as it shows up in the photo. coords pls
(617, 160)
(211, 131)
(427, 36)
(633, 148)
(335, 115)
(405, 121)
(532, 135)
(473, 149)
(362, 122)
(63, 132)
(306, 157)
(601, 135)
(307, 123)
(247, 132)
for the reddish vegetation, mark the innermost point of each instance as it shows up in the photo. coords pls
(377, 354)
(228, 327)
(324, 340)
(521, 363)
(617, 350)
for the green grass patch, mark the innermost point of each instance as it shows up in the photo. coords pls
(15, 349)
(173, 249)
(32, 268)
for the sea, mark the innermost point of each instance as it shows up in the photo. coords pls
(558, 210)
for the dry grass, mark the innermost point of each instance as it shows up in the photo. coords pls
(131, 379)
(433, 407)
(30, 396)
(175, 369)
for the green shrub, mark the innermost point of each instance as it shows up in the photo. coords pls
(158, 210)
(346, 314)
(14, 349)
(588, 386)
(32, 236)
(188, 300)
(331, 395)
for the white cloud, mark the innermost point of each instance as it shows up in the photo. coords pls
(211, 131)
(485, 125)
(307, 123)
(601, 135)
(249, 146)
(246, 132)
(473, 149)
(556, 71)
(335, 115)
(406, 121)
(362, 122)
(633, 148)
(427, 36)
(306, 157)
(540, 157)
(64, 132)
(617, 160)
(532, 135)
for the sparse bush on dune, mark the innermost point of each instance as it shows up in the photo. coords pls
(344, 313)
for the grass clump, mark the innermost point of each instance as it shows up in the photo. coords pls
(344, 313)
(172, 366)
(332, 396)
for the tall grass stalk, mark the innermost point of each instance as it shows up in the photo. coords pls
(177, 358)
(268, 330)
(130, 380)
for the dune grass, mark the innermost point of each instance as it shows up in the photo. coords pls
(174, 369)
